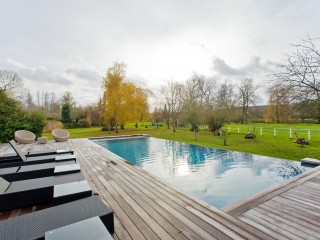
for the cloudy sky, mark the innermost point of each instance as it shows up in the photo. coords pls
(67, 45)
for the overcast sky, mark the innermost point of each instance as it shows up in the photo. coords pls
(67, 45)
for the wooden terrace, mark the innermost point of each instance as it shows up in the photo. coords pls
(146, 208)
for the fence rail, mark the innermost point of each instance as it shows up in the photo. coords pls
(290, 132)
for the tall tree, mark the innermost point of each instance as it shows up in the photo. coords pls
(192, 108)
(122, 101)
(300, 70)
(66, 113)
(246, 97)
(280, 104)
(29, 101)
(11, 83)
(67, 105)
(225, 101)
(173, 96)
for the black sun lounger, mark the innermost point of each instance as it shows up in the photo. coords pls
(14, 156)
(34, 160)
(35, 225)
(37, 191)
(19, 173)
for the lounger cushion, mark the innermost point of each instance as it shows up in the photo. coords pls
(34, 191)
(3, 185)
(34, 225)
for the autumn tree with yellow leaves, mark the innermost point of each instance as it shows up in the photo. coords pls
(122, 101)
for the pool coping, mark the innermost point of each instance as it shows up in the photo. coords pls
(121, 137)
(237, 208)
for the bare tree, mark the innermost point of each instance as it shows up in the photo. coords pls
(207, 87)
(11, 83)
(172, 93)
(192, 109)
(301, 70)
(29, 101)
(280, 104)
(225, 100)
(246, 97)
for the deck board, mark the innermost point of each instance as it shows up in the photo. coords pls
(290, 210)
(147, 208)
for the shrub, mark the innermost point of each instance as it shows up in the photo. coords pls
(52, 124)
(106, 128)
(13, 118)
(34, 122)
(83, 123)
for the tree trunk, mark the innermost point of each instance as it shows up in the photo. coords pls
(224, 142)
(195, 134)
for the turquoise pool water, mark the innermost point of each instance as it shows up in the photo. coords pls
(216, 176)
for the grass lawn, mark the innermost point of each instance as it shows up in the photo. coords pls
(280, 146)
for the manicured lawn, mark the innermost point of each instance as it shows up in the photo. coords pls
(280, 146)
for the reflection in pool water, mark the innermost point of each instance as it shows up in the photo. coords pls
(216, 176)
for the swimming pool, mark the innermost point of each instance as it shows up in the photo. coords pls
(216, 176)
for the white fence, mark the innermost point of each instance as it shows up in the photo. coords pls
(290, 132)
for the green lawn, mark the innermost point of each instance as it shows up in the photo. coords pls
(280, 146)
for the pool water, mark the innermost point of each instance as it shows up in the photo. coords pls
(216, 176)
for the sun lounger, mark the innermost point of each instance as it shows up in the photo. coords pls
(37, 191)
(34, 160)
(35, 225)
(14, 156)
(19, 173)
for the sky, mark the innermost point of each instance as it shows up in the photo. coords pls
(68, 45)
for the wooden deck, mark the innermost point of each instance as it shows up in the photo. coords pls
(290, 210)
(146, 208)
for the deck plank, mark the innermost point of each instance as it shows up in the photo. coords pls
(147, 208)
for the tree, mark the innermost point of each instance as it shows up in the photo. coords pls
(66, 113)
(166, 115)
(246, 97)
(280, 104)
(192, 108)
(29, 101)
(157, 116)
(224, 103)
(300, 70)
(67, 106)
(11, 83)
(122, 101)
(173, 96)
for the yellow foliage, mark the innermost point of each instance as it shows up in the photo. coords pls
(122, 101)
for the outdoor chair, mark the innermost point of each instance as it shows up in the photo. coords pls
(40, 224)
(57, 189)
(60, 135)
(24, 160)
(24, 136)
(19, 173)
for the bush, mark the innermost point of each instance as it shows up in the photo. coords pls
(106, 128)
(34, 122)
(83, 123)
(52, 124)
(10, 117)
(13, 118)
